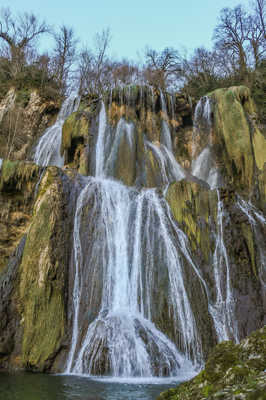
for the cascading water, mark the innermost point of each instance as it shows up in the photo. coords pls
(165, 134)
(120, 339)
(256, 220)
(99, 151)
(127, 245)
(47, 151)
(124, 130)
(203, 111)
(223, 309)
(203, 166)
(170, 170)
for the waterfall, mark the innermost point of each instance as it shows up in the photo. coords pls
(203, 166)
(47, 151)
(1, 162)
(130, 264)
(172, 101)
(123, 129)
(222, 310)
(125, 243)
(203, 112)
(256, 220)
(170, 170)
(99, 151)
(165, 134)
(122, 340)
(251, 212)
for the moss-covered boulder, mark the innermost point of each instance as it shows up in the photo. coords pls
(231, 372)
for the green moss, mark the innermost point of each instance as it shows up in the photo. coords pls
(23, 96)
(153, 172)
(191, 205)
(232, 133)
(68, 131)
(247, 233)
(259, 146)
(125, 161)
(14, 174)
(41, 289)
(228, 373)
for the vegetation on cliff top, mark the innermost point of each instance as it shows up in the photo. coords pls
(238, 57)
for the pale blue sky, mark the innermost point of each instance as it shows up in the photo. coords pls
(134, 24)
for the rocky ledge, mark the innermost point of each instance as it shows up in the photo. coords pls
(232, 372)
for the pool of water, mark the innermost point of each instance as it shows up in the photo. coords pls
(27, 386)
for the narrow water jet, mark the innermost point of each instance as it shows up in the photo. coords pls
(170, 169)
(166, 138)
(222, 309)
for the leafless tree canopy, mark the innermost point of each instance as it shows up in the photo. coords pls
(19, 34)
(64, 54)
(238, 56)
(163, 67)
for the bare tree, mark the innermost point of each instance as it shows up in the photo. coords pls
(102, 42)
(20, 33)
(256, 39)
(231, 35)
(64, 54)
(94, 65)
(260, 10)
(124, 73)
(85, 70)
(162, 67)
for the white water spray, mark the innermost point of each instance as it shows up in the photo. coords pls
(47, 151)
(122, 340)
(222, 309)
(166, 134)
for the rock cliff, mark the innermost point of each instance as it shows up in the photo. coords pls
(199, 188)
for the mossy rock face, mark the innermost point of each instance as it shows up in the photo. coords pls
(238, 145)
(125, 164)
(138, 106)
(42, 279)
(152, 170)
(14, 174)
(17, 185)
(24, 116)
(10, 328)
(191, 204)
(231, 373)
(195, 208)
(75, 135)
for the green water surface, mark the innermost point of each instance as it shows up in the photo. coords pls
(27, 386)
